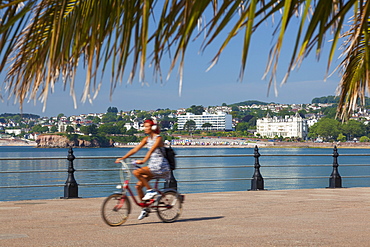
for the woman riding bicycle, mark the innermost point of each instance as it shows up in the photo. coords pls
(158, 166)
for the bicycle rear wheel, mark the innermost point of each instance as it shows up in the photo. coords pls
(169, 206)
(115, 209)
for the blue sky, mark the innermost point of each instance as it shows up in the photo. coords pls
(217, 86)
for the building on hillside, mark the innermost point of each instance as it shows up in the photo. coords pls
(138, 125)
(128, 126)
(13, 131)
(62, 126)
(216, 109)
(181, 111)
(289, 126)
(311, 122)
(219, 121)
(32, 136)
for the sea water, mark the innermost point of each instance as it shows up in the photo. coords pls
(297, 171)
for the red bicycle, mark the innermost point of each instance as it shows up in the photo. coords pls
(117, 207)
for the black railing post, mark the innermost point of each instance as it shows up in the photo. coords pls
(71, 187)
(257, 180)
(171, 183)
(335, 180)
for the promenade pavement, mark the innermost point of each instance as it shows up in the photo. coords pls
(310, 217)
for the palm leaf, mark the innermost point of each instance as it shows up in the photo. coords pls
(44, 41)
(355, 65)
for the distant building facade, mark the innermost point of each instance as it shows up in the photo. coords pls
(218, 121)
(289, 126)
(13, 131)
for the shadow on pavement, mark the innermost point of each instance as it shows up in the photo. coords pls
(180, 220)
(200, 219)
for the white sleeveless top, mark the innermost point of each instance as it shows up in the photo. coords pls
(158, 165)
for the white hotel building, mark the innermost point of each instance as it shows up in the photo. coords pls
(219, 121)
(290, 126)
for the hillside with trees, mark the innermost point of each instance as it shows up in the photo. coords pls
(118, 126)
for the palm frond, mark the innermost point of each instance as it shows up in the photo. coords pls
(355, 65)
(46, 41)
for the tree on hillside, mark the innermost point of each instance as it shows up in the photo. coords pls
(70, 129)
(207, 126)
(352, 129)
(242, 126)
(190, 125)
(96, 120)
(143, 115)
(302, 113)
(53, 129)
(45, 40)
(325, 100)
(90, 129)
(109, 117)
(60, 115)
(196, 109)
(165, 124)
(285, 112)
(109, 129)
(326, 128)
(40, 129)
(250, 102)
(112, 110)
(330, 112)
(247, 118)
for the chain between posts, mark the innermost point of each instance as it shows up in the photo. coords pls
(257, 182)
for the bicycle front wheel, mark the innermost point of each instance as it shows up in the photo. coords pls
(115, 209)
(169, 206)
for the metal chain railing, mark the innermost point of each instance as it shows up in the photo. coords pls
(257, 180)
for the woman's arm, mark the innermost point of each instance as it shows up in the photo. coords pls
(158, 143)
(134, 150)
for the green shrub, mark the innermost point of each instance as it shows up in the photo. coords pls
(364, 139)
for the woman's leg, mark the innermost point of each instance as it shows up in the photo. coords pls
(139, 188)
(144, 175)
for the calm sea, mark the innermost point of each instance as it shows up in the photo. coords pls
(272, 175)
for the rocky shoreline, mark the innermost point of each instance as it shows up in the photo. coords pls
(56, 141)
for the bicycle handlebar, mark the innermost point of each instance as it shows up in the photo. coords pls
(126, 169)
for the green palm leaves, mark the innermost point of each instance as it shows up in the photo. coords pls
(46, 41)
(355, 64)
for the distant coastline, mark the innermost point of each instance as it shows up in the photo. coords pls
(260, 144)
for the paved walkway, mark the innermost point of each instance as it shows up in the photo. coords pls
(314, 217)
